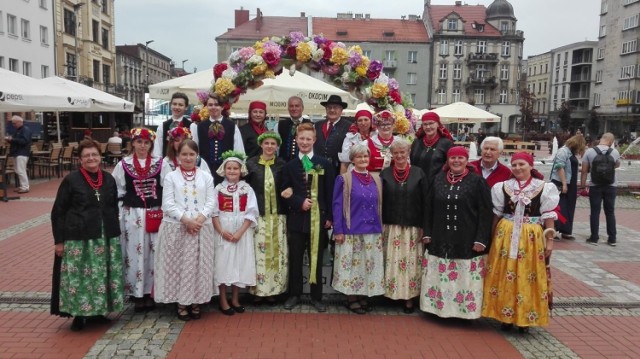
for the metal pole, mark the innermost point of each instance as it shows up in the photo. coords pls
(183, 61)
(76, 66)
(146, 81)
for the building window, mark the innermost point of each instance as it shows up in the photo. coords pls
(12, 27)
(43, 4)
(624, 2)
(412, 78)
(96, 31)
(631, 22)
(604, 7)
(603, 31)
(105, 38)
(413, 57)
(452, 24)
(479, 96)
(503, 97)
(44, 35)
(504, 72)
(413, 98)
(627, 72)
(599, 76)
(506, 48)
(629, 46)
(457, 71)
(1, 23)
(481, 69)
(2, 62)
(596, 99)
(106, 75)
(44, 71)
(564, 75)
(366, 53)
(457, 48)
(69, 22)
(546, 68)
(455, 95)
(105, 7)
(96, 71)
(544, 88)
(26, 68)
(600, 53)
(390, 55)
(443, 71)
(539, 88)
(482, 47)
(504, 26)
(444, 47)
(71, 65)
(14, 65)
(442, 96)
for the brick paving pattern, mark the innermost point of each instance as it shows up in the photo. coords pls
(597, 295)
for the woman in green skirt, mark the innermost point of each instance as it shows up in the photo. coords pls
(88, 268)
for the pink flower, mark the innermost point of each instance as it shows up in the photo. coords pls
(459, 298)
(474, 266)
(442, 267)
(470, 297)
(396, 243)
(439, 304)
(271, 58)
(431, 293)
(471, 307)
(413, 284)
(452, 266)
(453, 276)
(425, 262)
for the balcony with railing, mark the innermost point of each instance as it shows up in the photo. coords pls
(513, 33)
(482, 58)
(580, 77)
(483, 81)
(579, 95)
(389, 64)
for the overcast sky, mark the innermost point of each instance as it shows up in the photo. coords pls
(186, 29)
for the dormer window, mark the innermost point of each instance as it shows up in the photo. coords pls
(388, 34)
(452, 24)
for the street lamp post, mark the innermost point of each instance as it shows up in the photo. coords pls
(628, 76)
(76, 66)
(146, 80)
(183, 61)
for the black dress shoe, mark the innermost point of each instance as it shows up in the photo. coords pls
(239, 309)
(523, 330)
(408, 310)
(100, 319)
(291, 302)
(505, 327)
(228, 311)
(78, 324)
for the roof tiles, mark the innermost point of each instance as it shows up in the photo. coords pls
(469, 14)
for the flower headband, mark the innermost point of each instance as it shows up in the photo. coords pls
(266, 135)
(384, 118)
(143, 133)
(232, 155)
(179, 131)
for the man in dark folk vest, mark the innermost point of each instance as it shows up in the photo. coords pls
(331, 131)
(179, 105)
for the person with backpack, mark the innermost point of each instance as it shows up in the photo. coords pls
(600, 162)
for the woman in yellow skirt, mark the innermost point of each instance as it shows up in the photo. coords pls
(516, 288)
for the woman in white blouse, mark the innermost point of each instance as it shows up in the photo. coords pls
(184, 259)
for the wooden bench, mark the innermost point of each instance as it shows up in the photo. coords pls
(518, 146)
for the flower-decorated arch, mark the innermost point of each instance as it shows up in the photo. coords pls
(345, 67)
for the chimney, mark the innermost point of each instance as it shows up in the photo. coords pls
(458, 3)
(258, 20)
(303, 14)
(242, 16)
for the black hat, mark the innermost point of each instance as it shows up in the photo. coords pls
(334, 100)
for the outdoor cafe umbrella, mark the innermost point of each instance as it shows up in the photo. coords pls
(462, 112)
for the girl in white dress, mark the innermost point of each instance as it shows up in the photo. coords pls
(183, 270)
(235, 215)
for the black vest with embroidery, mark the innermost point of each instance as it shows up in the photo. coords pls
(150, 188)
(209, 147)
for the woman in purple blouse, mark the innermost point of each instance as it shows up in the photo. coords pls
(358, 269)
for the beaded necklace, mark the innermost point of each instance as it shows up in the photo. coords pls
(456, 178)
(188, 175)
(94, 184)
(142, 172)
(430, 142)
(364, 178)
(401, 175)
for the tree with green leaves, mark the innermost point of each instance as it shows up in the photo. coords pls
(527, 114)
(565, 116)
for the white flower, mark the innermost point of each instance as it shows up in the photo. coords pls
(229, 73)
(382, 79)
(255, 59)
(317, 55)
(234, 57)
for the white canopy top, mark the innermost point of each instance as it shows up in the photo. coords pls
(462, 112)
(100, 101)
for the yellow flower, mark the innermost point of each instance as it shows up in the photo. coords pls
(356, 48)
(258, 46)
(259, 70)
(401, 125)
(303, 52)
(362, 70)
(223, 87)
(269, 74)
(339, 56)
(204, 113)
(379, 90)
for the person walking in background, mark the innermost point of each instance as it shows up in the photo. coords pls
(564, 174)
(184, 257)
(331, 131)
(21, 151)
(270, 238)
(286, 128)
(403, 203)
(489, 166)
(517, 289)
(601, 161)
(358, 270)
(307, 183)
(429, 150)
(88, 265)
(216, 135)
(235, 216)
(254, 128)
(139, 178)
(179, 106)
(457, 232)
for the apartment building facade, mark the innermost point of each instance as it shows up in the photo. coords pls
(537, 69)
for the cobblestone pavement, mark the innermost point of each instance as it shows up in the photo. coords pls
(597, 298)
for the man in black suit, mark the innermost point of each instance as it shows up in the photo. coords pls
(331, 132)
(287, 128)
(307, 186)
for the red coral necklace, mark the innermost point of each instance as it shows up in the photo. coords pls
(364, 178)
(401, 175)
(456, 178)
(142, 172)
(430, 142)
(94, 184)
(188, 175)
